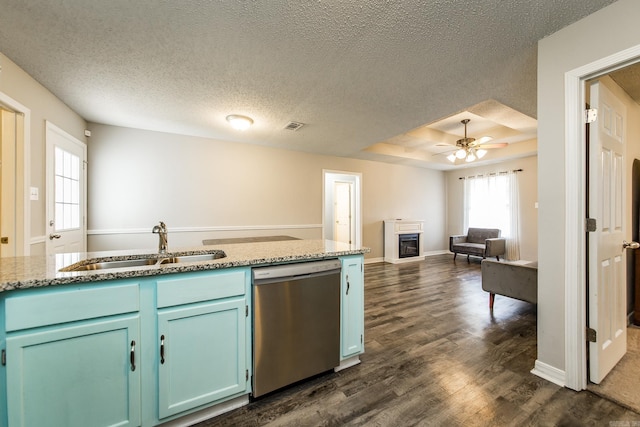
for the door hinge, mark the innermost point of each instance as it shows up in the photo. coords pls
(590, 225)
(590, 115)
(246, 375)
(592, 335)
(246, 311)
(3, 358)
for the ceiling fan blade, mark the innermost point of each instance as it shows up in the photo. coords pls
(496, 145)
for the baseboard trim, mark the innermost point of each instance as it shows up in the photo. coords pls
(373, 260)
(434, 253)
(549, 373)
(404, 260)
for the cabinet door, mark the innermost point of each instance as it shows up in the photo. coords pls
(201, 354)
(352, 310)
(83, 374)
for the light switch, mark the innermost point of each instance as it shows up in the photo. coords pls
(536, 205)
(34, 193)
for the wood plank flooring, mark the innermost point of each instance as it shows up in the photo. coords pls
(435, 355)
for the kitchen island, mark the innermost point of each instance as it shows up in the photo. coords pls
(146, 345)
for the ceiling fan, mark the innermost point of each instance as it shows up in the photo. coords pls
(471, 149)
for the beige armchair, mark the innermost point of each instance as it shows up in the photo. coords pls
(482, 242)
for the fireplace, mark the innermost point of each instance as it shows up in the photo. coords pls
(403, 240)
(408, 245)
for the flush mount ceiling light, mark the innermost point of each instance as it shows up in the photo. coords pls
(239, 122)
(468, 148)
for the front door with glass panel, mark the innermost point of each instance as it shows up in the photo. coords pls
(66, 206)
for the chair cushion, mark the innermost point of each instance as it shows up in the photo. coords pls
(479, 235)
(469, 248)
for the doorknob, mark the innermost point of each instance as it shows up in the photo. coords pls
(54, 236)
(630, 245)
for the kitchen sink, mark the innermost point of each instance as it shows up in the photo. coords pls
(193, 258)
(141, 262)
(111, 264)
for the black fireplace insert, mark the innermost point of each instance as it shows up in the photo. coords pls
(409, 245)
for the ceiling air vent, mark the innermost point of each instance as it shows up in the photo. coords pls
(293, 126)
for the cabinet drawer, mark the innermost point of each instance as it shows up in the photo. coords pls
(200, 287)
(54, 306)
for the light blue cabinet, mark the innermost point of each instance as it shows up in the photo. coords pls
(136, 352)
(80, 375)
(65, 367)
(352, 306)
(203, 341)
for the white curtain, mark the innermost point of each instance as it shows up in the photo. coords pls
(493, 202)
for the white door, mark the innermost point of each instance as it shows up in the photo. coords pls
(607, 204)
(66, 192)
(342, 211)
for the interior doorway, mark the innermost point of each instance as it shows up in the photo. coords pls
(576, 301)
(342, 214)
(15, 212)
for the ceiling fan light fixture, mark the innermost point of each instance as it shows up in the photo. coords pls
(239, 122)
(452, 158)
(481, 152)
(461, 153)
(470, 157)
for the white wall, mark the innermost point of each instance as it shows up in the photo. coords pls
(204, 188)
(21, 87)
(599, 35)
(528, 182)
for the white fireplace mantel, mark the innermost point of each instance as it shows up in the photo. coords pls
(393, 228)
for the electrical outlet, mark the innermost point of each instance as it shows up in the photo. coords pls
(34, 193)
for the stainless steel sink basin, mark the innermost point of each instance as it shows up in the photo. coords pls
(194, 258)
(111, 264)
(141, 262)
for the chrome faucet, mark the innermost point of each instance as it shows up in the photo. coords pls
(161, 230)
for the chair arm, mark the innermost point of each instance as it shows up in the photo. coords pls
(518, 281)
(456, 239)
(495, 247)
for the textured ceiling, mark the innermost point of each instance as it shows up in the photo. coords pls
(356, 73)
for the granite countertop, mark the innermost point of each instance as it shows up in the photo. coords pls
(39, 271)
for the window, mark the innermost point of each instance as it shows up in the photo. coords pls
(67, 190)
(492, 202)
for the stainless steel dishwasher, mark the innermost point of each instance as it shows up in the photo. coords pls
(296, 323)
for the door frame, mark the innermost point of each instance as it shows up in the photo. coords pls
(575, 187)
(51, 128)
(23, 175)
(328, 178)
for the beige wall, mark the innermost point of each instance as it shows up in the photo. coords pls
(607, 32)
(21, 87)
(528, 182)
(204, 188)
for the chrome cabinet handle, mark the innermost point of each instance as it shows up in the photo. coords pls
(54, 236)
(162, 349)
(630, 245)
(132, 355)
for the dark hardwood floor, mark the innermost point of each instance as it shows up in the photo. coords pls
(435, 355)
